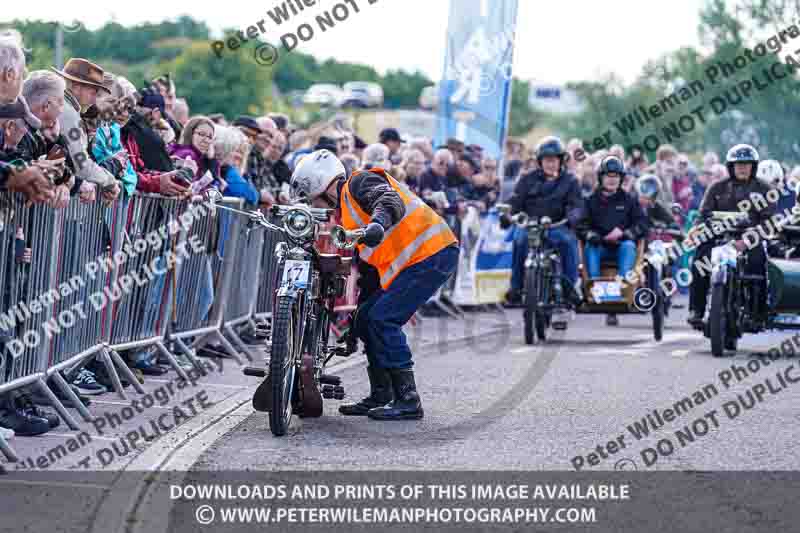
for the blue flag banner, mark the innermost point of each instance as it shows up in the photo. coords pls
(475, 92)
(484, 269)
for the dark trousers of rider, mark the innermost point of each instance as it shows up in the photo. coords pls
(562, 239)
(701, 277)
(380, 318)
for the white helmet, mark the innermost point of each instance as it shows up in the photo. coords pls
(314, 173)
(771, 172)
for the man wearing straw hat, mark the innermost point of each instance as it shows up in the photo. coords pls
(84, 79)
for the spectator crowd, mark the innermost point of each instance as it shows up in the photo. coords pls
(84, 132)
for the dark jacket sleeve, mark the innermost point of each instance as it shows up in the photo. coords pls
(377, 198)
(576, 210)
(641, 223)
(709, 202)
(517, 200)
(659, 213)
(113, 166)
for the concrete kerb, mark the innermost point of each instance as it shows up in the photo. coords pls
(136, 503)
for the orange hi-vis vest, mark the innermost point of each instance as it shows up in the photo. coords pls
(417, 236)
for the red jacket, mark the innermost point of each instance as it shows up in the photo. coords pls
(149, 180)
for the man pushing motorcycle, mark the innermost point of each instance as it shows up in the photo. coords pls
(407, 253)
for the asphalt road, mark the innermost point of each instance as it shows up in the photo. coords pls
(496, 403)
(494, 407)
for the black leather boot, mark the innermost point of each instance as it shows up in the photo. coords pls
(406, 404)
(380, 393)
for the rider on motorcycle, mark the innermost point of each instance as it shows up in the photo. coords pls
(728, 195)
(551, 191)
(648, 191)
(407, 254)
(616, 221)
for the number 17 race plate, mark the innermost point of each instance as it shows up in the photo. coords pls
(295, 273)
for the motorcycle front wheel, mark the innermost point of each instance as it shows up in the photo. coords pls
(718, 320)
(535, 317)
(654, 284)
(282, 366)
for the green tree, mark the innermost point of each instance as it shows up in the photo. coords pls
(233, 85)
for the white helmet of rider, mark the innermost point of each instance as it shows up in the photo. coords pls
(315, 172)
(771, 172)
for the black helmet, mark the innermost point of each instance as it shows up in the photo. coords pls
(742, 153)
(550, 146)
(611, 164)
(649, 186)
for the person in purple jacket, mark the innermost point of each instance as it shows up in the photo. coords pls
(197, 146)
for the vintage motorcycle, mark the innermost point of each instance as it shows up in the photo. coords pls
(542, 286)
(743, 302)
(310, 282)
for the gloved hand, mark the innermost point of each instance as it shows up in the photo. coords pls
(505, 222)
(374, 235)
(592, 237)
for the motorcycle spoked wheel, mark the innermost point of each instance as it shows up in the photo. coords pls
(535, 318)
(654, 284)
(282, 367)
(718, 320)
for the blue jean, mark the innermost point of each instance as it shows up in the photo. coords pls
(625, 255)
(561, 238)
(380, 319)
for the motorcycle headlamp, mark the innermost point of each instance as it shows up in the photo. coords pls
(299, 224)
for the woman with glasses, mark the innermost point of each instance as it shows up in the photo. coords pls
(196, 151)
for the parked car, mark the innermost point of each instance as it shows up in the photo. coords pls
(363, 94)
(429, 97)
(324, 94)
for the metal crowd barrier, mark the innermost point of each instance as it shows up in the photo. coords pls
(139, 319)
(269, 284)
(97, 314)
(204, 281)
(243, 294)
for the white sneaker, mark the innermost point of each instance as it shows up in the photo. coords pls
(6, 433)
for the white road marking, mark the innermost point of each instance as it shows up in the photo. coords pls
(222, 385)
(74, 435)
(523, 349)
(52, 483)
(108, 402)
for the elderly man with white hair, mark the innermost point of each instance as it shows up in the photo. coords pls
(435, 178)
(12, 68)
(84, 79)
(377, 156)
(181, 111)
(44, 92)
(27, 179)
(259, 169)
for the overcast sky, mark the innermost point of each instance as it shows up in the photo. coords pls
(559, 41)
